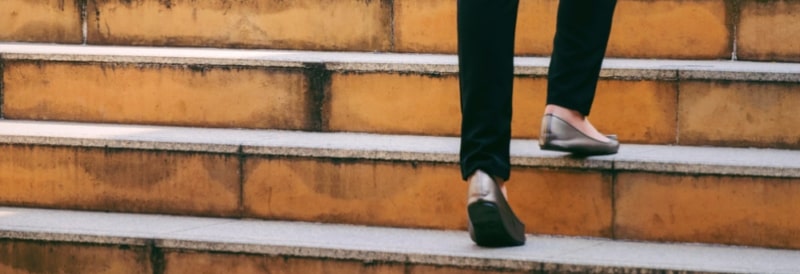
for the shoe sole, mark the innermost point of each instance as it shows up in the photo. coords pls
(576, 151)
(487, 227)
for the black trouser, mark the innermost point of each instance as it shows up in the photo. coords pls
(486, 31)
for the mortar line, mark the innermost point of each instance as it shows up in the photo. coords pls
(735, 6)
(392, 26)
(678, 109)
(318, 79)
(2, 86)
(84, 21)
(157, 264)
(614, 178)
(241, 158)
(734, 54)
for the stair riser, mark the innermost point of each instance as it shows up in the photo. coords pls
(56, 21)
(418, 195)
(652, 111)
(754, 211)
(203, 96)
(343, 191)
(27, 256)
(767, 30)
(304, 24)
(639, 111)
(179, 261)
(120, 180)
(642, 29)
(743, 114)
(734, 210)
(639, 29)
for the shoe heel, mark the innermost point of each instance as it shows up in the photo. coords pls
(487, 227)
(558, 135)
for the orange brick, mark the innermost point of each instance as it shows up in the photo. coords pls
(157, 94)
(710, 209)
(430, 26)
(562, 202)
(383, 193)
(119, 180)
(179, 262)
(423, 269)
(638, 111)
(640, 28)
(23, 257)
(693, 29)
(297, 24)
(55, 21)
(769, 31)
(368, 193)
(536, 27)
(739, 114)
(530, 97)
(425, 26)
(394, 103)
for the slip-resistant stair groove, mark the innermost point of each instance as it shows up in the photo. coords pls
(71, 242)
(719, 103)
(682, 29)
(653, 193)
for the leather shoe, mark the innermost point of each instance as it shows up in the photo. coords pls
(559, 135)
(492, 223)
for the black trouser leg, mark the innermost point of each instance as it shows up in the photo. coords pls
(582, 32)
(486, 48)
(486, 55)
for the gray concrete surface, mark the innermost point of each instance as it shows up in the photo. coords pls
(376, 244)
(651, 158)
(415, 63)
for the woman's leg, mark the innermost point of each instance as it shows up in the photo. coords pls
(486, 62)
(485, 52)
(580, 42)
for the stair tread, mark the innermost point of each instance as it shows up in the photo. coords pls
(632, 157)
(400, 62)
(377, 244)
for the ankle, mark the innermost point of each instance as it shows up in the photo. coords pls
(577, 120)
(571, 116)
(499, 181)
(501, 184)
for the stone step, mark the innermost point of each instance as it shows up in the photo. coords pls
(718, 103)
(646, 192)
(130, 243)
(677, 29)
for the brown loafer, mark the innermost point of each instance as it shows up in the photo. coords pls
(492, 223)
(558, 135)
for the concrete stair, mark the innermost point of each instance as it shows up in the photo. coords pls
(675, 29)
(131, 243)
(321, 137)
(646, 192)
(696, 103)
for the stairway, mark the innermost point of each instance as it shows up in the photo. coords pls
(321, 136)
